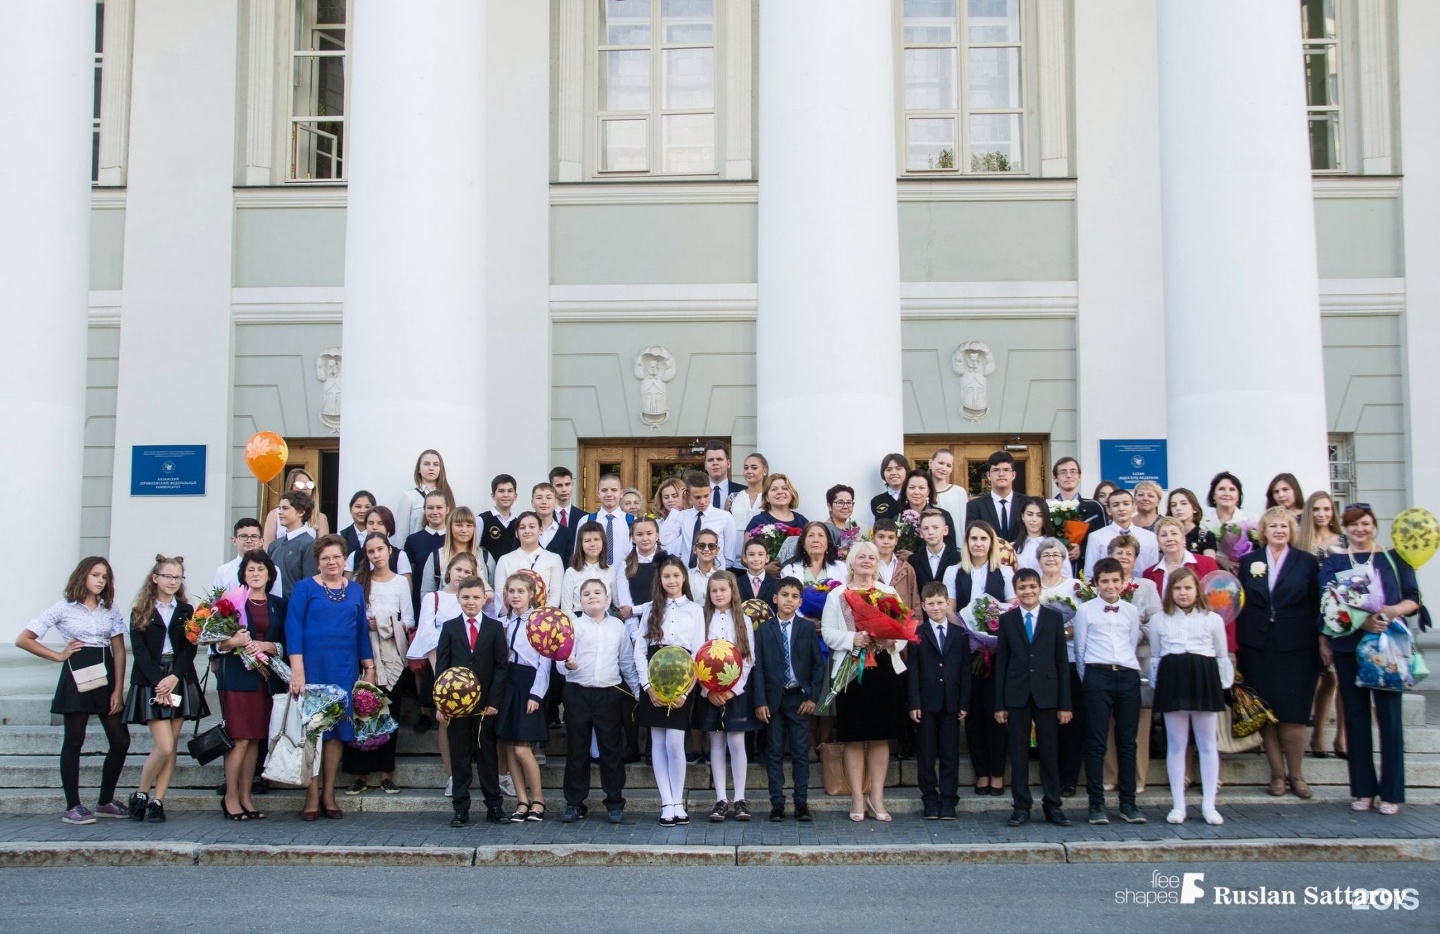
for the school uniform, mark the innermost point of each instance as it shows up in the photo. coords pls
(692, 522)
(767, 586)
(684, 626)
(160, 650)
(472, 739)
(617, 533)
(792, 671)
(605, 668)
(723, 492)
(938, 685)
(1001, 512)
(1105, 638)
(1032, 684)
(353, 535)
(886, 505)
(528, 680)
(543, 562)
(738, 713)
(419, 548)
(294, 555)
(497, 535)
(929, 567)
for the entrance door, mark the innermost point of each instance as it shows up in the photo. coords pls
(1032, 462)
(642, 463)
(320, 458)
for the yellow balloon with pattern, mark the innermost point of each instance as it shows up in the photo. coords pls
(672, 673)
(1416, 535)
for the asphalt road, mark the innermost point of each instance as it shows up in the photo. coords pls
(1067, 898)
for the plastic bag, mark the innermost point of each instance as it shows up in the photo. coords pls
(1383, 659)
(291, 760)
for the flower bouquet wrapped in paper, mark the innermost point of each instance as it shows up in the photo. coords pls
(982, 618)
(1350, 600)
(1236, 539)
(373, 722)
(322, 706)
(1065, 606)
(908, 525)
(881, 616)
(848, 536)
(1065, 517)
(812, 599)
(774, 535)
(223, 616)
(1084, 590)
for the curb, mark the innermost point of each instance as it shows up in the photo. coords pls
(243, 855)
(46, 855)
(601, 855)
(900, 855)
(1255, 851)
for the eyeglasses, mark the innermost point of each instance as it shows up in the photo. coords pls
(843, 503)
(252, 537)
(1067, 472)
(706, 546)
(170, 577)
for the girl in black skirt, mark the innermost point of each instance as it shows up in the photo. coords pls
(164, 690)
(94, 634)
(1190, 669)
(522, 717)
(671, 619)
(728, 716)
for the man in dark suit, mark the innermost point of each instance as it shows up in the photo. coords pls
(938, 681)
(787, 683)
(1032, 684)
(475, 641)
(717, 470)
(938, 556)
(1002, 506)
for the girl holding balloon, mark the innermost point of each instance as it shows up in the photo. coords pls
(522, 716)
(728, 714)
(672, 618)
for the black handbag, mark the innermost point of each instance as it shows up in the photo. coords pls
(213, 743)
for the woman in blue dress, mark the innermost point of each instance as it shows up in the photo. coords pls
(329, 643)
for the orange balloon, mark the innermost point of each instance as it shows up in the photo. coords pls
(265, 455)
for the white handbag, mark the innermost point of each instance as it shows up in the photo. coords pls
(91, 677)
(290, 759)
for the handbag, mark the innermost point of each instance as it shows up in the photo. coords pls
(1250, 712)
(91, 677)
(213, 743)
(1228, 742)
(832, 768)
(289, 759)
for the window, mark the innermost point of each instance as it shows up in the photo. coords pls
(1322, 83)
(1342, 470)
(318, 91)
(964, 99)
(655, 88)
(99, 68)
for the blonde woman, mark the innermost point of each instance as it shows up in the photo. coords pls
(1321, 535)
(1148, 496)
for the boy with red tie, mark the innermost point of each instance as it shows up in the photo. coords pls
(475, 641)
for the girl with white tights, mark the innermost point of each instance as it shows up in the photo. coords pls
(728, 715)
(1190, 669)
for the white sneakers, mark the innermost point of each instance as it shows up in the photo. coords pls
(1212, 816)
(507, 784)
(449, 787)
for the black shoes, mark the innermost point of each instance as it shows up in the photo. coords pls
(573, 813)
(1057, 817)
(615, 815)
(947, 812)
(1018, 817)
(1131, 814)
(1098, 816)
(259, 786)
(1068, 791)
(932, 812)
(137, 803)
(460, 819)
(741, 811)
(423, 724)
(777, 813)
(155, 813)
(719, 812)
(802, 813)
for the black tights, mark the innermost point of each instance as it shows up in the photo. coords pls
(118, 735)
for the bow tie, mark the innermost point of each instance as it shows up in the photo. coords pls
(1112, 608)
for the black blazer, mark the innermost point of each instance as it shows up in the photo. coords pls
(768, 586)
(920, 561)
(352, 540)
(1026, 671)
(983, 507)
(1290, 612)
(885, 506)
(994, 586)
(490, 659)
(563, 541)
(768, 678)
(147, 644)
(233, 675)
(939, 683)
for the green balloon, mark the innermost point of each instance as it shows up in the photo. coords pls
(672, 673)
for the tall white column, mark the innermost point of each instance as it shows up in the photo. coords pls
(827, 336)
(1117, 220)
(46, 85)
(175, 332)
(1241, 283)
(415, 288)
(518, 283)
(1418, 22)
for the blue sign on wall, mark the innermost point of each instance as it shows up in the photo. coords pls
(167, 470)
(1127, 462)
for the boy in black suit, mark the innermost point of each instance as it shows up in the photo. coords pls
(755, 557)
(1032, 684)
(938, 676)
(938, 555)
(785, 695)
(475, 641)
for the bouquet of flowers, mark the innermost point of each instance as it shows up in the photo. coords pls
(984, 614)
(219, 617)
(812, 599)
(1236, 539)
(321, 707)
(848, 536)
(774, 535)
(909, 525)
(1349, 601)
(879, 615)
(1065, 516)
(1127, 592)
(1084, 590)
(373, 723)
(1065, 606)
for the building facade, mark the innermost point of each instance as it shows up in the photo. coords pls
(598, 232)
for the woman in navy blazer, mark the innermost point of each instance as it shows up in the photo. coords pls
(1278, 653)
(245, 695)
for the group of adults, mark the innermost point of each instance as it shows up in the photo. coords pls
(370, 602)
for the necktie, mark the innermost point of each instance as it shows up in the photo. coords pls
(715, 496)
(473, 633)
(1112, 608)
(565, 516)
(1005, 517)
(514, 655)
(940, 636)
(789, 668)
(754, 586)
(1029, 627)
(694, 533)
(609, 539)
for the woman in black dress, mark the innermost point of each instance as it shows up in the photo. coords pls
(1279, 657)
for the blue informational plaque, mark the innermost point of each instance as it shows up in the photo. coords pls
(1127, 462)
(167, 470)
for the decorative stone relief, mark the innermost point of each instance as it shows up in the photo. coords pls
(327, 371)
(973, 362)
(654, 367)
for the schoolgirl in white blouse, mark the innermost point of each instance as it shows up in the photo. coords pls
(522, 715)
(588, 563)
(728, 716)
(672, 618)
(530, 556)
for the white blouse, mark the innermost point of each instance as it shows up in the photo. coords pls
(700, 583)
(523, 653)
(1196, 633)
(435, 609)
(722, 626)
(94, 627)
(684, 626)
(623, 595)
(841, 638)
(800, 570)
(743, 508)
(570, 585)
(671, 537)
(545, 563)
(953, 501)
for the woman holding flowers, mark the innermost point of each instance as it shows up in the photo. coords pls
(918, 496)
(868, 710)
(815, 559)
(1277, 651)
(1400, 598)
(777, 504)
(328, 628)
(164, 690)
(1231, 524)
(244, 692)
(389, 618)
(1184, 505)
(982, 588)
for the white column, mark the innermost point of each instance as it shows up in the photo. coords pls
(46, 85)
(175, 346)
(415, 288)
(1242, 300)
(1117, 219)
(518, 286)
(1418, 23)
(827, 335)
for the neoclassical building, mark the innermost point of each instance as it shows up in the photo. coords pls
(598, 232)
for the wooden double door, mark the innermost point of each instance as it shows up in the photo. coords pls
(642, 463)
(320, 458)
(971, 453)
